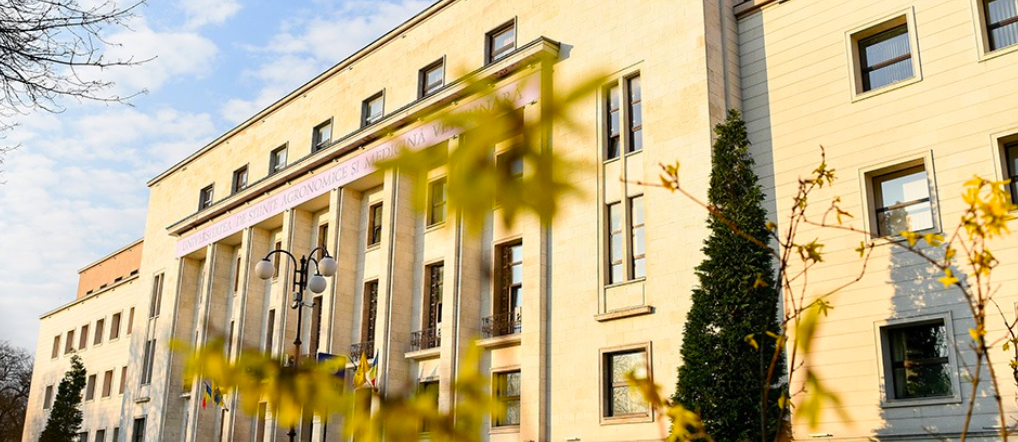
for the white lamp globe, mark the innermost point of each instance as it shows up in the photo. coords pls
(264, 269)
(317, 284)
(327, 266)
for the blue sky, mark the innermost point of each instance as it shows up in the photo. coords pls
(75, 189)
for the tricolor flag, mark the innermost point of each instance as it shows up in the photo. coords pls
(207, 394)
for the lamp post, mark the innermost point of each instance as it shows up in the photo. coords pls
(302, 279)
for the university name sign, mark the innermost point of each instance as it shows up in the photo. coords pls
(516, 94)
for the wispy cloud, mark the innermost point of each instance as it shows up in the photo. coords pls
(203, 12)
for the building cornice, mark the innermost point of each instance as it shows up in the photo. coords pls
(110, 255)
(751, 6)
(88, 297)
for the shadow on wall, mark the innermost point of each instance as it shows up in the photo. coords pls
(927, 357)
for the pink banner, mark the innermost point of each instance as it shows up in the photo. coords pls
(356, 166)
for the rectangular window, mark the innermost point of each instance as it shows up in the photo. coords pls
(1011, 158)
(639, 237)
(918, 357)
(116, 434)
(430, 389)
(130, 321)
(47, 400)
(69, 342)
(431, 79)
(322, 136)
(107, 383)
(373, 109)
(270, 329)
(635, 115)
(619, 399)
(82, 436)
(375, 224)
(262, 414)
(100, 435)
(275, 259)
(501, 42)
(157, 296)
(229, 341)
(90, 388)
(507, 392)
(508, 308)
(148, 362)
(277, 159)
(323, 236)
(885, 58)
(56, 346)
(614, 135)
(123, 379)
(436, 208)
(236, 276)
(370, 313)
(239, 179)
(316, 325)
(616, 244)
(138, 432)
(430, 334)
(902, 200)
(510, 165)
(205, 197)
(115, 326)
(83, 337)
(1001, 23)
(100, 327)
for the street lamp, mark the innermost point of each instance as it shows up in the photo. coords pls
(324, 266)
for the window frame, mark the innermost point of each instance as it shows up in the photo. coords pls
(56, 346)
(617, 144)
(107, 389)
(375, 227)
(497, 387)
(868, 179)
(116, 322)
(423, 385)
(206, 197)
(425, 89)
(437, 207)
(606, 385)
(1008, 154)
(69, 342)
(885, 373)
(83, 337)
(90, 387)
(366, 118)
(100, 330)
(982, 30)
(275, 166)
(493, 54)
(319, 143)
(47, 399)
(148, 361)
(156, 299)
(240, 179)
(870, 29)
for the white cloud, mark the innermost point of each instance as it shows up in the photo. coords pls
(203, 12)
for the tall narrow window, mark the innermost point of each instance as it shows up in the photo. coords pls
(239, 179)
(508, 314)
(236, 275)
(373, 109)
(432, 78)
(69, 342)
(614, 136)
(510, 165)
(430, 333)
(157, 296)
(1011, 158)
(205, 197)
(90, 388)
(56, 346)
(148, 362)
(277, 159)
(100, 435)
(138, 432)
(275, 259)
(919, 364)
(507, 392)
(316, 325)
(375, 224)
(436, 208)
(323, 236)
(116, 434)
(639, 237)
(370, 313)
(619, 399)
(83, 337)
(47, 401)
(616, 244)
(885, 58)
(107, 383)
(321, 136)
(229, 340)
(100, 328)
(1001, 23)
(902, 201)
(130, 321)
(501, 42)
(115, 326)
(270, 330)
(123, 379)
(635, 115)
(262, 414)
(430, 389)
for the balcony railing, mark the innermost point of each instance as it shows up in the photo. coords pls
(425, 339)
(502, 324)
(368, 348)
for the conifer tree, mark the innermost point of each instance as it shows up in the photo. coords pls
(65, 416)
(726, 351)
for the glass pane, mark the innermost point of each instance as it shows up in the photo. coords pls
(618, 273)
(890, 74)
(637, 141)
(613, 123)
(640, 268)
(919, 359)
(905, 188)
(505, 38)
(615, 217)
(637, 205)
(638, 241)
(635, 94)
(324, 133)
(512, 413)
(1004, 36)
(636, 115)
(435, 75)
(516, 298)
(613, 98)
(885, 46)
(620, 400)
(1012, 160)
(999, 10)
(516, 253)
(613, 147)
(516, 167)
(512, 384)
(616, 248)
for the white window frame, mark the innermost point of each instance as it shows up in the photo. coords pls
(869, 29)
(868, 190)
(882, 343)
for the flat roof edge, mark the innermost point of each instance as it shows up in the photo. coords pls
(110, 255)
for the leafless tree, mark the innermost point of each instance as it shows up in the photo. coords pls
(15, 383)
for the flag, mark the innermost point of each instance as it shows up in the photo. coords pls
(217, 398)
(373, 371)
(360, 376)
(206, 394)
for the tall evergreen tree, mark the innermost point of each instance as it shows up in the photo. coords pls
(723, 375)
(65, 416)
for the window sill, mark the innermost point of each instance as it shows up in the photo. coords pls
(373, 247)
(859, 96)
(919, 402)
(612, 160)
(142, 400)
(500, 341)
(504, 429)
(628, 419)
(984, 56)
(423, 354)
(625, 283)
(890, 239)
(433, 227)
(625, 313)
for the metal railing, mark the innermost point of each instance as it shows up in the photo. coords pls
(425, 339)
(502, 324)
(368, 348)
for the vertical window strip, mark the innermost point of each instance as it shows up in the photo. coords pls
(157, 296)
(436, 213)
(1001, 23)
(507, 392)
(639, 251)
(635, 115)
(270, 330)
(1011, 153)
(616, 244)
(885, 58)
